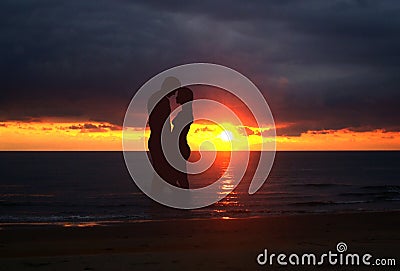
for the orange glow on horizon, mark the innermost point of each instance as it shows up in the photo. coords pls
(102, 136)
(59, 136)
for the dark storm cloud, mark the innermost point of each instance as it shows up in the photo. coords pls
(90, 127)
(205, 129)
(320, 64)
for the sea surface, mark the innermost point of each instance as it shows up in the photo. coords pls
(75, 187)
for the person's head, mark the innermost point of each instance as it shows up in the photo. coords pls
(170, 85)
(184, 95)
(172, 93)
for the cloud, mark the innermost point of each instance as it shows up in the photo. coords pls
(246, 131)
(204, 129)
(90, 128)
(320, 64)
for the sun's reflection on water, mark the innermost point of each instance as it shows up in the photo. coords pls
(224, 170)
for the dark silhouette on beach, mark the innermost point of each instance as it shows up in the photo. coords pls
(159, 120)
(182, 123)
(160, 131)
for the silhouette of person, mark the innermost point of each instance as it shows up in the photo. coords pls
(181, 128)
(159, 123)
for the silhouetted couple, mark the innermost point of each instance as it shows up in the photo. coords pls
(168, 146)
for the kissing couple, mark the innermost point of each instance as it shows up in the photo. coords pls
(168, 146)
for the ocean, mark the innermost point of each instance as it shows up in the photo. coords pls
(95, 187)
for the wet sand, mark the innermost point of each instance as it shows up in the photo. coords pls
(207, 244)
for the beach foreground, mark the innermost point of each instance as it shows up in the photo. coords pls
(206, 244)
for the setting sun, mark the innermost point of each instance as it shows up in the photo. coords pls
(226, 135)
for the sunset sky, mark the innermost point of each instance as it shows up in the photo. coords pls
(329, 70)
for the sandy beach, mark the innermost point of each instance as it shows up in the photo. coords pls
(208, 244)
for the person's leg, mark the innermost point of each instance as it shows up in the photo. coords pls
(183, 180)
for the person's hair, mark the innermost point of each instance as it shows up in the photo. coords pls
(186, 94)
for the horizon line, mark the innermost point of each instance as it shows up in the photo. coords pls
(343, 150)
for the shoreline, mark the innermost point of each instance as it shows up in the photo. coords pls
(196, 244)
(107, 223)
